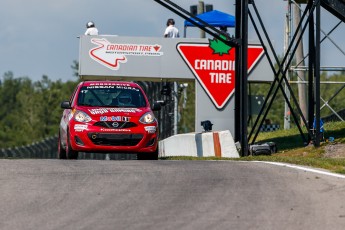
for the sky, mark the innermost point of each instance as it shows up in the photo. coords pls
(39, 37)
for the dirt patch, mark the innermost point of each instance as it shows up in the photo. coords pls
(335, 151)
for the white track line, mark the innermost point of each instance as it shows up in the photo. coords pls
(303, 168)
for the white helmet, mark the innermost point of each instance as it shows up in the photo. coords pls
(90, 24)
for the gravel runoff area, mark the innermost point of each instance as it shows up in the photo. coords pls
(335, 151)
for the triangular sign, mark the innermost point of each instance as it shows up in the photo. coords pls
(215, 72)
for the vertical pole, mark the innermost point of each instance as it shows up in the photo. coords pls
(201, 10)
(175, 95)
(237, 73)
(244, 78)
(288, 25)
(300, 61)
(317, 74)
(311, 62)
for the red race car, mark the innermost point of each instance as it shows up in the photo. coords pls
(108, 117)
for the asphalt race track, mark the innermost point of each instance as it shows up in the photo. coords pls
(99, 194)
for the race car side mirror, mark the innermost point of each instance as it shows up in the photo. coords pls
(66, 105)
(156, 106)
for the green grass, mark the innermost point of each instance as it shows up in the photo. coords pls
(291, 149)
(291, 139)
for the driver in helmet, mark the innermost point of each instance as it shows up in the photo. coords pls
(125, 99)
(91, 29)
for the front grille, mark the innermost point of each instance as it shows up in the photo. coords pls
(121, 124)
(111, 139)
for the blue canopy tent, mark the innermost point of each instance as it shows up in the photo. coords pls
(214, 18)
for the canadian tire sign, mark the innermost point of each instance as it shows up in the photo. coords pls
(111, 55)
(214, 67)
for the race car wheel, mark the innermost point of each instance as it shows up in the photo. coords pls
(61, 154)
(148, 156)
(70, 153)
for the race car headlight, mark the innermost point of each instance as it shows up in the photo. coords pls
(147, 118)
(81, 116)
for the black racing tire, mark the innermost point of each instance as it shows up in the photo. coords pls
(61, 154)
(70, 153)
(148, 156)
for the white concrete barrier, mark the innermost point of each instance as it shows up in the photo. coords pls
(218, 143)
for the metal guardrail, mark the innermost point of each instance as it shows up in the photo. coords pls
(47, 149)
(44, 149)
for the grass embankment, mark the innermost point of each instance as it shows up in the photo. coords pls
(291, 149)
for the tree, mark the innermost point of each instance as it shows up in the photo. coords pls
(30, 111)
(75, 68)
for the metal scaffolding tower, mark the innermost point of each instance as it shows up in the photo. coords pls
(310, 22)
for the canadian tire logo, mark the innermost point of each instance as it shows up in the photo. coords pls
(111, 55)
(213, 65)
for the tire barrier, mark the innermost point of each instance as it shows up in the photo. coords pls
(269, 128)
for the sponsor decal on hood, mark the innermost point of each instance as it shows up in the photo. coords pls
(114, 110)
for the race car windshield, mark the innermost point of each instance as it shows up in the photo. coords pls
(111, 96)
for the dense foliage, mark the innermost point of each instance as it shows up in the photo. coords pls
(30, 111)
(186, 107)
